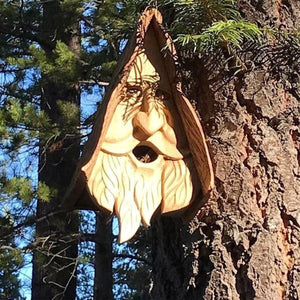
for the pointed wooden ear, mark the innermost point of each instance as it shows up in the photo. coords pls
(196, 139)
(147, 150)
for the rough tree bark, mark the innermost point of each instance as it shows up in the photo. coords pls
(54, 261)
(244, 244)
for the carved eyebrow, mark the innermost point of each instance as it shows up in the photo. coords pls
(145, 78)
(134, 82)
(140, 83)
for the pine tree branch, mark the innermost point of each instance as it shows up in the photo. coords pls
(138, 258)
(101, 83)
(31, 220)
(24, 35)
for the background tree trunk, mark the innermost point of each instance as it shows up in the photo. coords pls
(244, 244)
(55, 259)
(103, 282)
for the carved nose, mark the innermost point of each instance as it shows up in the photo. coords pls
(148, 120)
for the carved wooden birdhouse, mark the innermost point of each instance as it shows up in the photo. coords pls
(147, 150)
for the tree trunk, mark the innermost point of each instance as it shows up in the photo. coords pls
(55, 259)
(103, 282)
(244, 244)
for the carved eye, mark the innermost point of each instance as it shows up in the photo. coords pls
(133, 91)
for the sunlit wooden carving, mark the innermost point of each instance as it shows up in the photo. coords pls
(147, 151)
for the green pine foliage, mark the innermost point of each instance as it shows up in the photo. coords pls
(43, 192)
(216, 24)
(61, 67)
(11, 261)
(19, 188)
(208, 27)
(230, 34)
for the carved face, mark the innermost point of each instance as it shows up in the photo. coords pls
(144, 160)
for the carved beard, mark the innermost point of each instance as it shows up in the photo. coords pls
(134, 190)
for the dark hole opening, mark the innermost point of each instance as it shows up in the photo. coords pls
(144, 154)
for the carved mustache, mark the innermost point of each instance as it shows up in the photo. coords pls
(166, 149)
